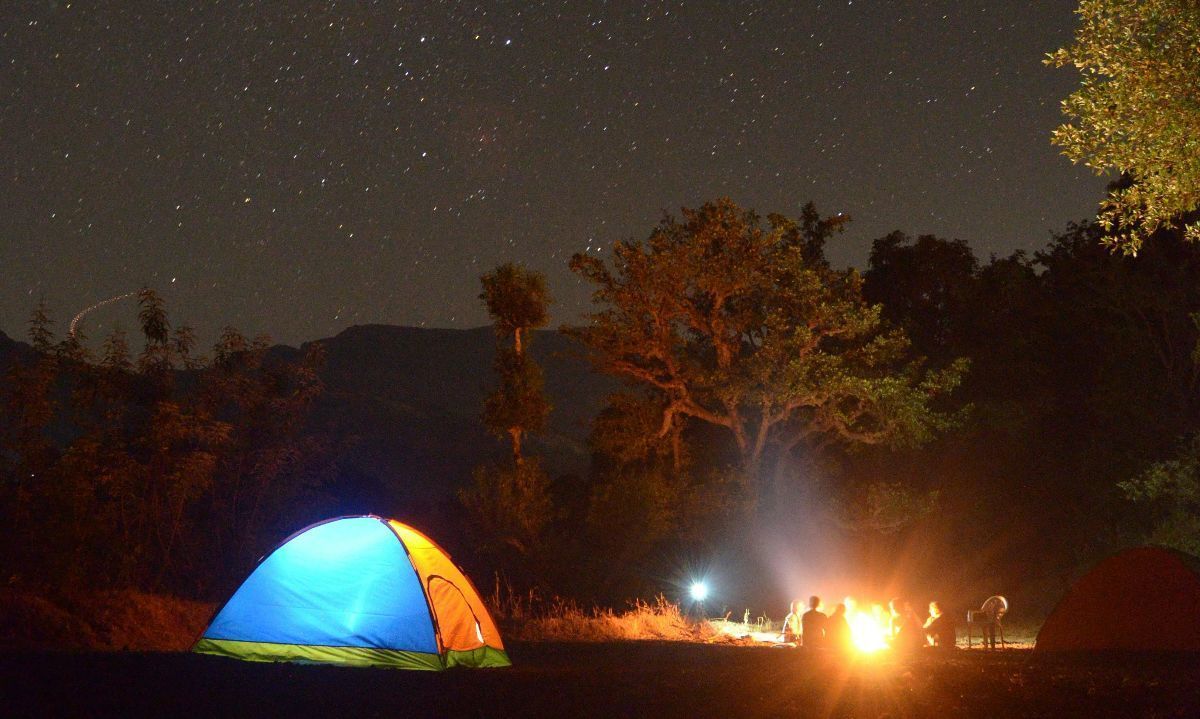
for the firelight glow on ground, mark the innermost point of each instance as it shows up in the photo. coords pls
(868, 630)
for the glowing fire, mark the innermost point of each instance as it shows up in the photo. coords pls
(868, 630)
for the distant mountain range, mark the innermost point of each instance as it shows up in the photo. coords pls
(403, 405)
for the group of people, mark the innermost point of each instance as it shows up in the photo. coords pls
(813, 629)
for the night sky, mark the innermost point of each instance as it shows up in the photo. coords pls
(293, 170)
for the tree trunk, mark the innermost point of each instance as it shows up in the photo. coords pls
(515, 433)
(676, 447)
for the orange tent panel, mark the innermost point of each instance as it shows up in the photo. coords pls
(462, 621)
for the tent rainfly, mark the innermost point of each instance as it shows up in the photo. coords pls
(361, 591)
(1143, 599)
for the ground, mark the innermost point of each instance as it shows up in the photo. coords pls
(610, 679)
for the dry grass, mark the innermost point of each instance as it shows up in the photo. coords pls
(529, 617)
(563, 620)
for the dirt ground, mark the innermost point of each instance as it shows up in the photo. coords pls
(614, 679)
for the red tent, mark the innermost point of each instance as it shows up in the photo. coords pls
(1143, 599)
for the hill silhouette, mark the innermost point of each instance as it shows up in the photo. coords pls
(406, 405)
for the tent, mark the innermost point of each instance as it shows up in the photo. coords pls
(363, 591)
(1144, 599)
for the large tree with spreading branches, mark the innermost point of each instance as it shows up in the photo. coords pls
(738, 323)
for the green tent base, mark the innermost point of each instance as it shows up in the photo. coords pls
(482, 657)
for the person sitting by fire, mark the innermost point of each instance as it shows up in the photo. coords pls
(837, 630)
(904, 628)
(812, 625)
(791, 623)
(893, 618)
(939, 628)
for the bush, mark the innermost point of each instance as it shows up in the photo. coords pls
(100, 621)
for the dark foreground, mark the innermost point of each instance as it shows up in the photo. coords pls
(610, 680)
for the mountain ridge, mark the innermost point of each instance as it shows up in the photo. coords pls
(402, 406)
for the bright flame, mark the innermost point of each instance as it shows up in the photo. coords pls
(868, 630)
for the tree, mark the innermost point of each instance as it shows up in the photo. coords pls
(1171, 489)
(122, 473)
(511, 503)
(41, 336)
(924, 286)
(269, 463)
(1135, 357)
(737, 324)
(28, 404)
(1136, 111)
(650, 495)
(116, 352)
(885, 508)
(517, 301)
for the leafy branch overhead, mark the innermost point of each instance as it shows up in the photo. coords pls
(1137, 111)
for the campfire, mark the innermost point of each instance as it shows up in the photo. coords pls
(868, 629)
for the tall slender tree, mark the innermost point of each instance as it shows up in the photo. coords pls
(517, 301)
(510, 503)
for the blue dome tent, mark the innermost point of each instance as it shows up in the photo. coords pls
(363, 591)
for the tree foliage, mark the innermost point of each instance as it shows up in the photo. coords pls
(1136, 111)
(510, 505)
(885, 508)
(1171, 491)
(518, 406)
(649, 492)
(924, 286)
(1082, 376)
(517, 301)
(740, 324)
(150, 472)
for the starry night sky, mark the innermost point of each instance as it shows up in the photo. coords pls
(295, 168)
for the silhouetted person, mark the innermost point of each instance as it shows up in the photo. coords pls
(904, 627)
(791, 623)
(939, 628)
(837, 630)
(894, 605)
(812, 625)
